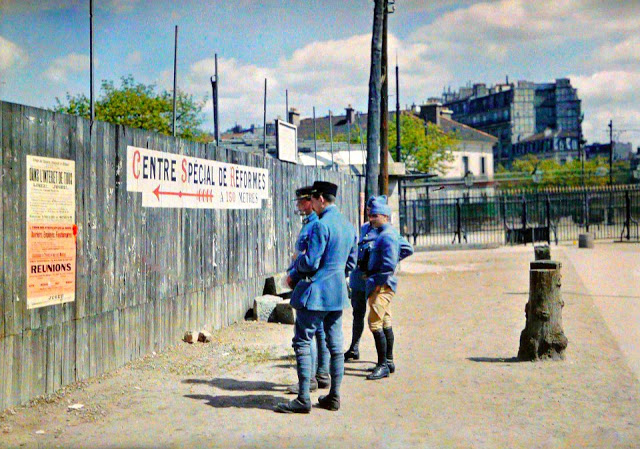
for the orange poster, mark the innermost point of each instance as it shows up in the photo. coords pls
(51, 240)
(51, 264)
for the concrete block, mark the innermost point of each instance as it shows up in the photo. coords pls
(190, 337)
(275, 285)
(264, 307)
(285, 313)
(204, 337)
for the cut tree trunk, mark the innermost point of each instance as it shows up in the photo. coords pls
(543, 336)
(542, 252)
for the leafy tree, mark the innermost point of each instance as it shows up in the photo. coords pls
(138, 105)
(556, 174)
(423, 150)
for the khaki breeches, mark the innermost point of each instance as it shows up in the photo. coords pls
(380, 308)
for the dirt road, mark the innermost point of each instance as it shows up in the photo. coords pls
(458, 316)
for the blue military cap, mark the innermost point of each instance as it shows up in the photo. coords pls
(380, 208)
(374, 199)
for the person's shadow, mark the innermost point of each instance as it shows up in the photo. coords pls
(258, 401)
(358, 368)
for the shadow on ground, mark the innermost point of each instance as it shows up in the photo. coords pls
(495, 359)
(238, 385)
(257, 401)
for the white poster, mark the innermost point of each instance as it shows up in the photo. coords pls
(173, 180)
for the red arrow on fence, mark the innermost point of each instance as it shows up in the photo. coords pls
(201, 195)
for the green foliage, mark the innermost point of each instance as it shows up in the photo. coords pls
(596, 173)
(423, 151)
(139, 106)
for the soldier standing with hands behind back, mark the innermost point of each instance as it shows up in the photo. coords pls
(321, 295)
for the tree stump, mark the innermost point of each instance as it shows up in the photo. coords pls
(542, 252)
(543, 336)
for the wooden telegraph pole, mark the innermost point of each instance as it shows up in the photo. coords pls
(384, 108)
(373, 117)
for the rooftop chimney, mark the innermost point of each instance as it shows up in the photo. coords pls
(350, 115)
(294, 117)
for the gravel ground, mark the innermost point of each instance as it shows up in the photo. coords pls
(457, 318)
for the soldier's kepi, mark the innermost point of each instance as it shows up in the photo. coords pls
(321, 295)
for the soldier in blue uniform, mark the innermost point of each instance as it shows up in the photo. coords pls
(321, 295)
(381, 286)
(358, 277)
(319, 351)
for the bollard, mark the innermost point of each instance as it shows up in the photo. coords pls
(543, 336)
(585, 240)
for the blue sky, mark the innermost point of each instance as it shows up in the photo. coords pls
(320, 51)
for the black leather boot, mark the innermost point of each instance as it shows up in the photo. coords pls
(352, 354)
(295, 406)
(329, 402)
(381, 370)
(388, 333)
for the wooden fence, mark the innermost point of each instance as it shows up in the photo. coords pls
(144, 275)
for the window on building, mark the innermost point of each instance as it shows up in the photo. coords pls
(482, 165)
(465, 165)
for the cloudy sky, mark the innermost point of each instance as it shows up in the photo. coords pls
(320, 51)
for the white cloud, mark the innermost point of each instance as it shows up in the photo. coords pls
(10, 55)
(61, 68)
(36, 6)
(134, 58)
(496, 29)
(121, 6)
(621, 53)
(328, 75)
(609, 95)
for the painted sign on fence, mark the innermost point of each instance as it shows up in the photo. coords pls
(51, 241)
(174, 180)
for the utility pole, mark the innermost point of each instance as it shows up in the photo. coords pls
(398, 147)
(91, 96)
(610, 152)
(214, 89)
(384, 108)
(175, 76)
(264, 122)
(373, 117)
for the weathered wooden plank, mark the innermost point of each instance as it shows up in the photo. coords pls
(5, 377)
(107, 213)
(44, 342)
(69, 356)
(3, 172)
(12, 200)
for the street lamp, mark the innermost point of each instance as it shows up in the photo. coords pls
(468, 179)
(537, 176)
(468, 182)
(601, 171)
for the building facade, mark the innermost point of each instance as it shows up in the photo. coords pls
(513, 112)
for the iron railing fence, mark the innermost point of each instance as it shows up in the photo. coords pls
(523, 216)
